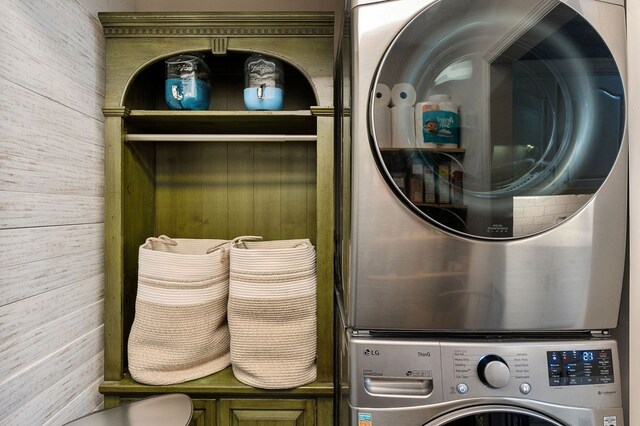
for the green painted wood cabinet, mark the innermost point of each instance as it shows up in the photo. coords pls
(218, 174)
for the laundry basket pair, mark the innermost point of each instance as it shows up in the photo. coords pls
(189, 288)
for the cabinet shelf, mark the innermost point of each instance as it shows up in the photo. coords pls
(220, 122)
(442, 206)
(189, 137)
(223, 382)
(427, 150)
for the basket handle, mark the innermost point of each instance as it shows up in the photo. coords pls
(216, 247)
(162, 239)
(240, 240)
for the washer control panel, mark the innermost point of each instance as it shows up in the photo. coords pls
(580, 367)
(555, 371)
(402, 372)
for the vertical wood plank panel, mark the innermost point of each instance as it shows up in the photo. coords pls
(241, 189)
(313, 198)
(295, 192)
(166, 222)
(138, 200)
(214, 191)
(188, 187)
(267, 190)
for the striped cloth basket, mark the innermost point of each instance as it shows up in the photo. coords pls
(272, 312)
(180, 329)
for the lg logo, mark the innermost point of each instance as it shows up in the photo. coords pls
(371, 352)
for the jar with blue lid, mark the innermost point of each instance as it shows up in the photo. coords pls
(264, 84)
(187, 84)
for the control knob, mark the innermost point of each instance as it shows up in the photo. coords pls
(493, 371)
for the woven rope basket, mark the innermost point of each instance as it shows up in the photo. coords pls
(180, 330)
(272, 312)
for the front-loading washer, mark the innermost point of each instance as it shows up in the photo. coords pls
(461, 382)
(484, 175)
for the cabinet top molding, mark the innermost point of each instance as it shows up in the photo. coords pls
(204, 24)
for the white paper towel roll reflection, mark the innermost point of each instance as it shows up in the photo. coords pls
(382, 95)
(382, 115)
(382, 125)
(402, 127)
(403, 94)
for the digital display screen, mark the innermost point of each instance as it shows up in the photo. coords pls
(569, 368)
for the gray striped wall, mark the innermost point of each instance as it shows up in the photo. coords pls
(51, 211)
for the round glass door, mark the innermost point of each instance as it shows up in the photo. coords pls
(493, 415)
(497, 119)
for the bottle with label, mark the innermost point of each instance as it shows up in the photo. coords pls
(416, 183)
(437, 122)
(455, 179)
(443, 184)
(429, 185)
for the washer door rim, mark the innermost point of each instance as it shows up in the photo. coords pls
(458, 414)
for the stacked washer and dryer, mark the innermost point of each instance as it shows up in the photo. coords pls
(481, 211)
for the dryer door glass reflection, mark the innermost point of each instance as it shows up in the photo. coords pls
(497, 119)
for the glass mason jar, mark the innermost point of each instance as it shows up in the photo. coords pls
(264, 83)
(187, 83)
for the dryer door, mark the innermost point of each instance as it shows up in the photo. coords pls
(497, 119)
(494, 415)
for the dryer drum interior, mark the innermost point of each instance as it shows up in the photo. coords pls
(540, 113)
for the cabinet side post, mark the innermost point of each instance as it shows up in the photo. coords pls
(325, 243)
(113, 295)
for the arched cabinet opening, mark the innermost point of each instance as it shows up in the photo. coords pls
(146, 89)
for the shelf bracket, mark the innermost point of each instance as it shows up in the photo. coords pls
(219, 45)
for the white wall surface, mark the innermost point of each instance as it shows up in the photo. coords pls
(633, 37)
(51, 212)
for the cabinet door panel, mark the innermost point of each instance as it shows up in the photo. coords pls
(204, 413)
(267, 412)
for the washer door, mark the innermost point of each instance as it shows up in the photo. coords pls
(497, 119)
(493, 415)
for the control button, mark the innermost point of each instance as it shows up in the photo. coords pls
(493, 371)
(462, 388)
(525, 388)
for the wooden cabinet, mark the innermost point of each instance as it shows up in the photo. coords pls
(219, 173)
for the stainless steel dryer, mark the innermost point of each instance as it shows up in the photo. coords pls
(489, 383)
(486, 168)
